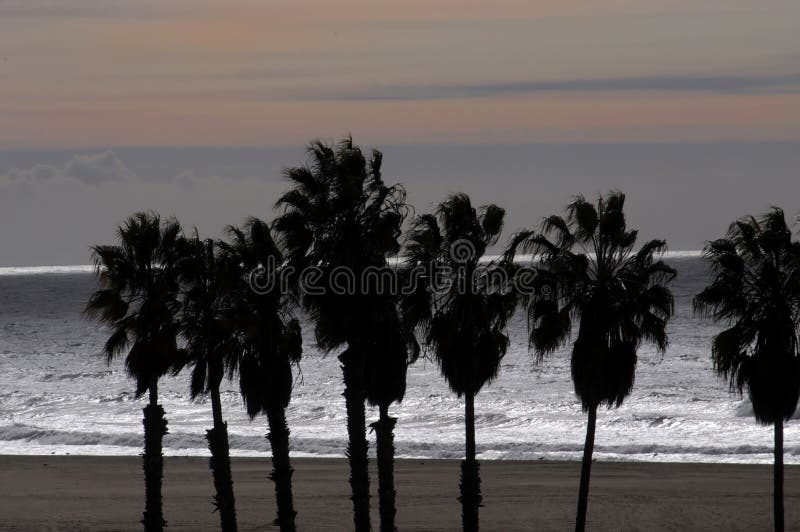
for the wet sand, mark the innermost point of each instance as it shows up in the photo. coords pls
(106, 493)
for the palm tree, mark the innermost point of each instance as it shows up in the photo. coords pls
(206, 328)
(591, 273)
(755, 290)
(338, 219)
(268, 344)
(393, 349)
(138, 299)
(462, 321)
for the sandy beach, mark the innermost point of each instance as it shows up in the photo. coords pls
(106, 493)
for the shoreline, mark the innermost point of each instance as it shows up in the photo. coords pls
(255, 455)
(73, 492)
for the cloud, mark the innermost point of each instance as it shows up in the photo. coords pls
(190, 179)
(37, 173)
(683, 84)
(91, 169)
(98, 168)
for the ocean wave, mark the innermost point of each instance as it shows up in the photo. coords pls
(22, 433)
(677, 254)
(195, 442)
(39, 435)
(745, 409)
(44, 270)
(121, 397)
(88, 268)
(74, 376)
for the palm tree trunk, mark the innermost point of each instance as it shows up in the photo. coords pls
(586, 471)
(354, 394)
(220, 464)
(470, 473)
(778, 477)
(282, 471)
(155, 427)
(384, 434)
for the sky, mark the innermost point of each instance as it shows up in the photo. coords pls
(193, 108)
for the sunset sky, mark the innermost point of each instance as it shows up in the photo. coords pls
(124, 92)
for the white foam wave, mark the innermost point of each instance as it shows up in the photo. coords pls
(678, 254)
(88, 268)
(45, 270)
(22, 439)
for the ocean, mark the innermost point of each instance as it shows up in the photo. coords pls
(58, 396)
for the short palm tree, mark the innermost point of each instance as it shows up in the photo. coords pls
(338, 219)
(268, 345)
(462, 321)
(138, 299)
(591, 273)
(755, 290)
(207, 330)
(393, 349)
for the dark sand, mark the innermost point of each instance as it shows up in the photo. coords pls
(106, 493)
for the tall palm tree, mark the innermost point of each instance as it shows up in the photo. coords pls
(207, 330)
(755, 290)
(591, 273)
(138, 299)
(338, 219)
(268, 345)
(462, 321)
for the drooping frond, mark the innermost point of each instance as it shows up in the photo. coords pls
(491, 218)
(584, 217)
(424, 242)
(557, 227)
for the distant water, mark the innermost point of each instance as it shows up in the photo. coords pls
(57, 396)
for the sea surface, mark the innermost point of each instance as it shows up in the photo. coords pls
(58, 395)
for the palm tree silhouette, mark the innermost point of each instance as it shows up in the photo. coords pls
(138, 299)
(755, 290)
(393, 349)
(207, 330)
(339, 219)
(268, 344)
(461, 320)
(590, 272)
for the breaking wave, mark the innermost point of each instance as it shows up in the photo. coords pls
(195, 443)
(44, 270)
